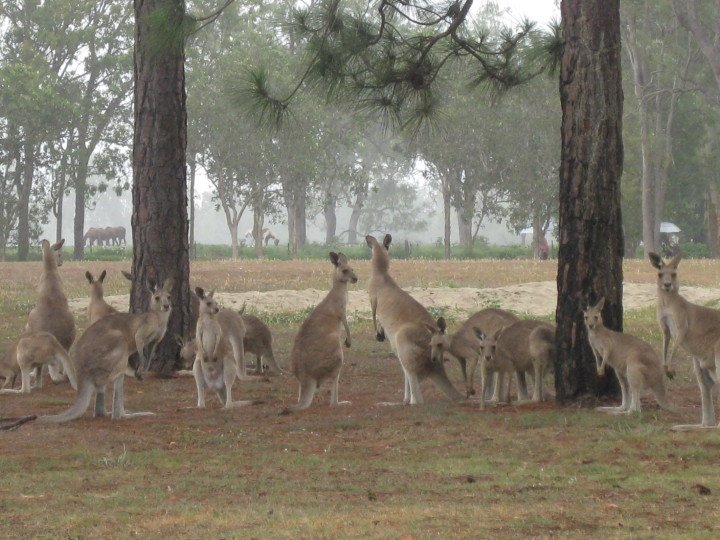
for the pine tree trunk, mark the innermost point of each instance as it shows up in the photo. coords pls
(591, 241)
(160, 220)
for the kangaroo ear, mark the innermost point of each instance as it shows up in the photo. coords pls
(369, 240)
(673, 263)
(168, 284)
(479, 333)
(600, 304)
(200, 292)
(45, 244)
(655, 260)
(334, 258)
(441, 325)
(430, 328)
(152, 285)
(102, 276)
(89, 277)
(386, 241)
(58, 246)
(127, 275)
(179, 340)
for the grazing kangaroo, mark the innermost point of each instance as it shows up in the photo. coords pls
(101, 354)
(98, 307)
(634, 361)
(406, 323)
(32, 351)
(694, 328)
(518, 348)
(216, 366)
(317, 353)
(464, 345)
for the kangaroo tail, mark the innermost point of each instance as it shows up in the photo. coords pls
(440, 378)
(82, 402)
(274, 366)
(661, 398)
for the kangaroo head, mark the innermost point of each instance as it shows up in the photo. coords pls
(96, 286)
(53, 253)
(160, 299)
(380, 254)
(207, 302)
(343, 271)
(593, 315)
(488, 343)
(439, 341)
(667, 272)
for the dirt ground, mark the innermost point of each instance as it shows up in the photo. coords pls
(442, 470)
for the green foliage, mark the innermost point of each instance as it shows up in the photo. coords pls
(694, 250)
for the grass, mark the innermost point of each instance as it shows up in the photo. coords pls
(436, 471)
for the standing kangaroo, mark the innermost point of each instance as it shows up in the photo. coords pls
(101, 354)
(464, 344)
(524, 346)
(408, 326)
(694, 328)
(216, 366)
(317, 353)
(98, 307)
(51, 313)
(634, 361)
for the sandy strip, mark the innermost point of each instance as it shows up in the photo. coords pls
(536, 299)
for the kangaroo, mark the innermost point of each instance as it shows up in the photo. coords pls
(215, 365)
(32, 351)
(98, 307)
(51, 313)
(518, 348)
(317, 353)
(635, 362)
(9, 368)
(464, 345)
(694, 328)
(401, 319)
(101, 354)
(257, 341)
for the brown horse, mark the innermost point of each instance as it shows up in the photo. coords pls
(111, 236)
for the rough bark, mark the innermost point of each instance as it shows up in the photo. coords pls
(712, 219)
(591, 241)
(159, 220)
(191, 198)
(79, 220)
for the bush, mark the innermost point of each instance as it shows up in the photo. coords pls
(694, 250)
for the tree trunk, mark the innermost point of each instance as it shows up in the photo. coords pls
(191, 198)
(301, 218)
(591, 241)
(330, 219)
(446, 193)
(355, 217)
(234, 240)
(160, 220)
(24, 192)
(712, 219)
(59, 215)
(79, 222)
(258, 226)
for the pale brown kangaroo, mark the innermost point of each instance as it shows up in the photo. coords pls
(98, 307)
(694, 328)
(317, 353)
(401, 319)
(35, 350)
(101, 354)
(635, 362)
(51, 312)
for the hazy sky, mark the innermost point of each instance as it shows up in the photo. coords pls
(541, 11)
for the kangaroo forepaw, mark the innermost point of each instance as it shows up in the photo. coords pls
(380, 336)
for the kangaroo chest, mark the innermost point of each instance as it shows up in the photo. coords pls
(210, 335)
